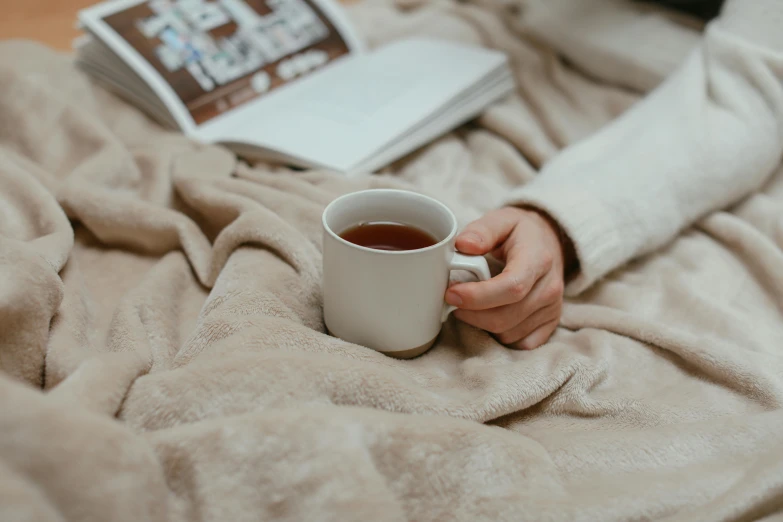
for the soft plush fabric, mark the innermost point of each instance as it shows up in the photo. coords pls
(164, 358)
(706, 138)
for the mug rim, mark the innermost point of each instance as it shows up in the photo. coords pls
(439, 244)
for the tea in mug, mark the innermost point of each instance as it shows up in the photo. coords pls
(385, 235)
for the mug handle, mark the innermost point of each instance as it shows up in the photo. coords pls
(476, 265)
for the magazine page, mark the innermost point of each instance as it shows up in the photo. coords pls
(207, 58)
(342, 115)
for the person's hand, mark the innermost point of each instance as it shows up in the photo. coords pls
(522, 305)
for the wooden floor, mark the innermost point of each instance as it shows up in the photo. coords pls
(48, 21)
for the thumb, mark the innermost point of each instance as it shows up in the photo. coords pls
(486, 233)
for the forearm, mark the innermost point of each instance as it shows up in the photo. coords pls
(710, 135)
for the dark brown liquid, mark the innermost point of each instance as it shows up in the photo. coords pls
(388, 236)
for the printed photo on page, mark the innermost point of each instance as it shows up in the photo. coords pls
(219, 54)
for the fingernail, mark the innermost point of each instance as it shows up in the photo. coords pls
(472, 237)
(453, 299)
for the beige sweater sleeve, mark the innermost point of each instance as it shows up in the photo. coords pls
(708, 136)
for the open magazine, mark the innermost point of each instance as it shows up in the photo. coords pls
(286, 80)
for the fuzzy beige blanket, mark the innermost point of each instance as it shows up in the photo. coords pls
(163, 352)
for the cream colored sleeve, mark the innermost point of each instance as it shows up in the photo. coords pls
(708, 136)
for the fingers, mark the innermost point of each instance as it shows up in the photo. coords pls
(483, 235)
(518, 324)
(510, 323)
(511, 286)
(530, 325)
(546, 292)
(538, 337)
(531, 333)
(522, 305)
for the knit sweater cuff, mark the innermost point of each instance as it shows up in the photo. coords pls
(585, 220)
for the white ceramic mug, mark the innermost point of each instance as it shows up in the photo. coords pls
(390, 301)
